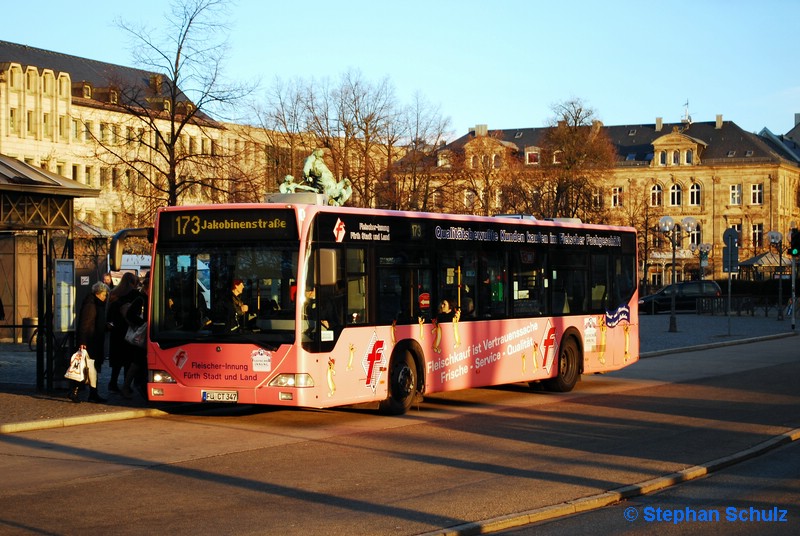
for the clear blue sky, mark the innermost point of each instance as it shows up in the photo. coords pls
(504, 64)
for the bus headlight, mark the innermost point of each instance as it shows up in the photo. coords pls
(292, 380)
(161, 376)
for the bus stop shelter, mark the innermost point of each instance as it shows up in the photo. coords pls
(36, 201)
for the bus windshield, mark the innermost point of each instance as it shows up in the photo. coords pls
(228, 292)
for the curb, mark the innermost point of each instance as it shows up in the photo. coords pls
(721, 344)
(608, 498)
(81, 419)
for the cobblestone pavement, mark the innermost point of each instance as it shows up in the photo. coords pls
(23, 407)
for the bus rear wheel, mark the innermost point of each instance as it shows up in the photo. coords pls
(569, 360)
(402, 385)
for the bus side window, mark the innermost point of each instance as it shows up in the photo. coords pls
(355, 267)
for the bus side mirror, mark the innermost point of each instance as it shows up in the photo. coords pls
(118, 241)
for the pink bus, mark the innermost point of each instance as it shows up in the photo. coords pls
(301, 304)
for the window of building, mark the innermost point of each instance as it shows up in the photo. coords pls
(76, 172)
(676, 158)
(30, 80)
(738, 228)
(87, 131)
(689, 156)
(31, 123)
(662, 158)
(473, 162)
(695, 236)
(694, 195)
(496, 162)
(616, 196)
(46, 126)
(469, 199)
(736, 194)
(87, 91)
(758, 235)
(675, 195)
(630, 157)
(597, 198)
(656, 195)
(63, 127)
(731, 154)
(87, 175)
(557, 157)
(757, 194)
(532, 158)
(76, 129)
(12, 121)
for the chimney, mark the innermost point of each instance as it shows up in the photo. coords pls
(659, 124)
(481, 130)
(719, 121)
(797, 119)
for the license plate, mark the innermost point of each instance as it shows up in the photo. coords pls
(220, 396)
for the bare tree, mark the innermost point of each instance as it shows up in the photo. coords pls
(172, 144)
(577, 159)
(412, 180)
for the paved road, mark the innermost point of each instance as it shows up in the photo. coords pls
(758, 496)
(464, 456)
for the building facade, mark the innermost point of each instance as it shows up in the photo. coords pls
(713, 172)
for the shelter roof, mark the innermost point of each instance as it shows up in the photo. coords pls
(17, 176)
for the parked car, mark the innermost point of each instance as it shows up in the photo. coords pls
(686, 295)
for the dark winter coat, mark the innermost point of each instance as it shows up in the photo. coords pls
(92, 328)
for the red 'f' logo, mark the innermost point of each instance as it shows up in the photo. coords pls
(373, 362)
(548, 347)
(338, 230)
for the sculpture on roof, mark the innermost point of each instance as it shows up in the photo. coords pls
(317, 175)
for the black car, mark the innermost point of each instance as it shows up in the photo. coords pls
(686, 295)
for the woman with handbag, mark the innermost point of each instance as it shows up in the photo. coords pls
(136, 316)
(91, 335)
(119, 351)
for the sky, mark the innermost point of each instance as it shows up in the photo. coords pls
(503, 64)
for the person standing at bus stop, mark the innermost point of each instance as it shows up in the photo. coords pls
(119, 351)
(91, 335)
(136, 315)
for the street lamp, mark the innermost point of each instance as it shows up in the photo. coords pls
(704, 249)
(776, 238)
(673, 232)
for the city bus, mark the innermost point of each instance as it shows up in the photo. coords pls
(293, 302)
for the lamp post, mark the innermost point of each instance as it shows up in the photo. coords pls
(673, 232)
(703, 250)
(776, 238)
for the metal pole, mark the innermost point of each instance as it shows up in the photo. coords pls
(794, 300)
(780, 280)
(673, 322)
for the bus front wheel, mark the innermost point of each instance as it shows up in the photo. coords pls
(569, 361)
(402, 385)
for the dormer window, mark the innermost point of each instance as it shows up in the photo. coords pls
(731, 154)
(630, 157)
(87, 91)
(532, 158)
(749, 153)
(632, 132)
(166, 105)
(518, 135)
(113, 96)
